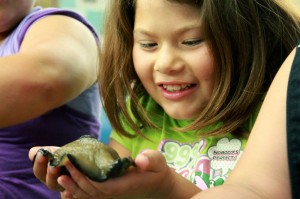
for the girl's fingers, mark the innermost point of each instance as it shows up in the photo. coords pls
(48, 175)
(82, 188)
(151, 160)
(33, 152)
(71, 189)
(40, 164)
(67, 195)
(51, 179)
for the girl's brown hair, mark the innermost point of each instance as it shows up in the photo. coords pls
(249, 39)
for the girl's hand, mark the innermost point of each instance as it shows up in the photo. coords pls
(47, 175)
(152, 178)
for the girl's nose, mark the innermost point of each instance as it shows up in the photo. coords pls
(168, 61)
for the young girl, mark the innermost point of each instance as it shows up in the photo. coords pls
(193, 75)
(187, 78)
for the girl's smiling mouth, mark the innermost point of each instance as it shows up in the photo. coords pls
(176, 91)
(177, 87)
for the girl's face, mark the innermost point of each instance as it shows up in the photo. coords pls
(11, 12)
(172, 57)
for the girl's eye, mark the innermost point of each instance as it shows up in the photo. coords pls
(193, 42)
(148, 45)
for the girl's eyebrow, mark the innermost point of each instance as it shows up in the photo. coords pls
(141, 31)
(180, 30)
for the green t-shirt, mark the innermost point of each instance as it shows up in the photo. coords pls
(204, 161)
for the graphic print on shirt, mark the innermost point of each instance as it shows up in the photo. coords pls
(206, 166)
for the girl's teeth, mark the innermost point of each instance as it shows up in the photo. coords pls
(176, 87)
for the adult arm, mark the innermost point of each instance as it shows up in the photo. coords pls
(57, 61)
(262, 171)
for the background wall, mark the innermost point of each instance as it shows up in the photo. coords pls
(93, 10)
(47, 3)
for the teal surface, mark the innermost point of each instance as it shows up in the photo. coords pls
(67, 3)
(92, 10)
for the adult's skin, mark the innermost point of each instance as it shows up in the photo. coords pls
(262, 171)
(42, 78)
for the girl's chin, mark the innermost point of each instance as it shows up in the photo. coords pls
(182, 111)
(181, 116)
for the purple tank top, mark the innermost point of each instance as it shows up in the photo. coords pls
(57, 127)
